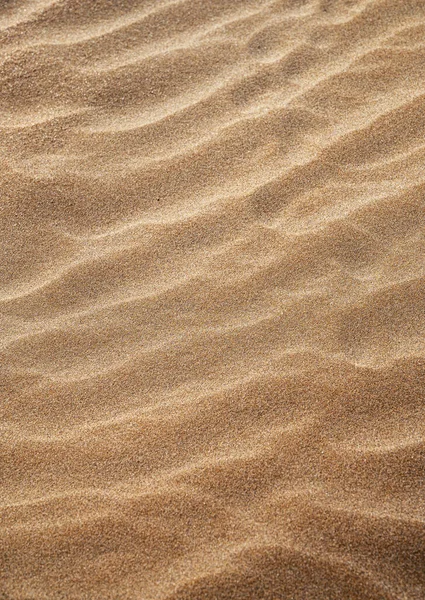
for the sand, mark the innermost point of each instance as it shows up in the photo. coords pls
(212, 301)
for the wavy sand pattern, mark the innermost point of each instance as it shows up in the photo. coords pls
(212, 302)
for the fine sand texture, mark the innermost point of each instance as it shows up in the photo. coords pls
(212, 300)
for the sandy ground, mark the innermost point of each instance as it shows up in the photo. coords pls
(212, 301)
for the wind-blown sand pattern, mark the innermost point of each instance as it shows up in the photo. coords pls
(212, 302)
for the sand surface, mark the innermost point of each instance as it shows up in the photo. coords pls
(212, 300)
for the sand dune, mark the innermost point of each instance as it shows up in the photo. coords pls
(212, 302)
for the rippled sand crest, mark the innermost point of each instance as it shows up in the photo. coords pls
(212, 300)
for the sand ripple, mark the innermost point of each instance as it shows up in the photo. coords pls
(212, 309)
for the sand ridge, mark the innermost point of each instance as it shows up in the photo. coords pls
(212, 301)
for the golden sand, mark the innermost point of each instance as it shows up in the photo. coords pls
(212, 302)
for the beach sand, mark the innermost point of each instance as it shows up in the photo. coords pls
(212, 301)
